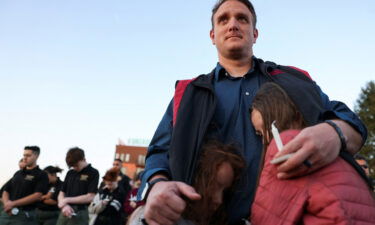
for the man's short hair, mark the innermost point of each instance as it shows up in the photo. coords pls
(118, 160)
(74, 155)
(247, 3)
(34, 149)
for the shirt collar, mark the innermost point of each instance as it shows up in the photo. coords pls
(220, 71)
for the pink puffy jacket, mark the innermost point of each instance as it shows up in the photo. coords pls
(335, 194)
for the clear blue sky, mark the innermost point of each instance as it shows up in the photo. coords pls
(85, 73)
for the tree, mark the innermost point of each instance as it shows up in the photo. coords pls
(365, 108)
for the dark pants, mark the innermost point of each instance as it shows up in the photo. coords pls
(82, 218)
(45, 217)
(22, 218)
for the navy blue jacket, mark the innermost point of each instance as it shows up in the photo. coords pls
(195, 121)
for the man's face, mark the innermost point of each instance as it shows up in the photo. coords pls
(233, 32)
(79, 165)
(29, 157)
(117, 165)
(364, 166)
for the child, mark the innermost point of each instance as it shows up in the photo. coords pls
(335, 194)
(218, 169)
(107, 204)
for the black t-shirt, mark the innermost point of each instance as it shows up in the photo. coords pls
(81, 183)
(26, 182)
(3, 188)
(125, 183)
(54, 189)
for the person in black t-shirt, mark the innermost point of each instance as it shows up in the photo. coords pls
(124, 181)
(21, 165)
(78, 189)
(24, 190)
(47, 211)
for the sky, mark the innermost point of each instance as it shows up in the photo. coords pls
(87, 73)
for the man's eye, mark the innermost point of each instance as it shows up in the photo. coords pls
(243, 19)
(223, 20)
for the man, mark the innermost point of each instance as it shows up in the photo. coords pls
(124, 181)
(24, 190)
(217, 106)
(124, 184)
(78, 189)
(362, 162)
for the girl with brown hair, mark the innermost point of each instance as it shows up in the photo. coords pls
(335, 194)
(219, 167)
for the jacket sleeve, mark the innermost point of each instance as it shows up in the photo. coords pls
(336, 109)
(157, 154)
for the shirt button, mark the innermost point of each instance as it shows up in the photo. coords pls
(247, 93)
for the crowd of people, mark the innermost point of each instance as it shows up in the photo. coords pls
(251, 142)
(35, 196)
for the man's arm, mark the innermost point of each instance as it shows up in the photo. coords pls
(320, 144)
(80, 199)
(164, 203)
(5, 196)
(157, 164)
(8, 205)
(60, 199)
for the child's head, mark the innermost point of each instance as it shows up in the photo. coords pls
(111, 178)
(272, 103)
(219, 167)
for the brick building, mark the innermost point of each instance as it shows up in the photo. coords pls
(133, 158)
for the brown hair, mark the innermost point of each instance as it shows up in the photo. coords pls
(247, 3)
(213, 155)
(74, 155)
(111, 175)
(274, 104)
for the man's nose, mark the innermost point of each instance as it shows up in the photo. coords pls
(233, 24)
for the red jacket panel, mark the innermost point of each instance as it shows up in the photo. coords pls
(335, 194)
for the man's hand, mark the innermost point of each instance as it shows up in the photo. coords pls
(165, 204)
(67, 211)
(8, 206)
(319, 144)
(62, 203)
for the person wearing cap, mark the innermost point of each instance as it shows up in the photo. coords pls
(78, 189)
(47, 211)
(107, 204)
(24, 190)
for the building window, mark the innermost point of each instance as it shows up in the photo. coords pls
(141, 160)
(127, 157)
(122, 156)
(117, 156)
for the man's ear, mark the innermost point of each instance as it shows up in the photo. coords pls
(212, 36)
(256, 33)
